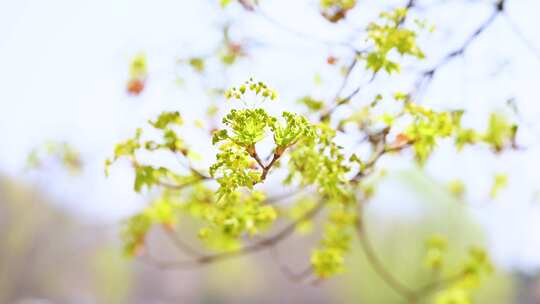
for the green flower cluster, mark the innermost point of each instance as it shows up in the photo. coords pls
(235, 168)
(235, 210)
(473, 270)
(388, 36)
(318, 160)
(134, 230)
(257, 87)
(146, 175)
(238, 215)
(427, 127)
(328, 259)
(436, 248)
(499, 134)
(248, 127)
(62, 152)
(335, 10)
(238, 163)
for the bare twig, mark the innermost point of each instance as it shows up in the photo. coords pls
(288, 272)
(408, 293)
(187, 184)
(375, 157)
(341, 101)
(427, 76)
(180, 244)
(528, 43)
(279, 197)
(301, 35)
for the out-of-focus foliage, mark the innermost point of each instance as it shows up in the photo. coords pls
(61, 152)
(233, 213)
(335, 10)
(328, 259)
(314, 160)
(499, 134)
(440, 241)
(113, 276)
(216, 206)
(138, 72)
(499, 182)
(388, 36)
(47, 254)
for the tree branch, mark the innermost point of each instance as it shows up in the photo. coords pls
(378, 266)
(288, 272)
(184, 185)
(411, 295)
(338, 101)
(427, 76)
(255, 247)
(528, 43)
(305, 36)
(180, 244)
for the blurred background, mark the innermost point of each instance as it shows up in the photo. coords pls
(64, 78)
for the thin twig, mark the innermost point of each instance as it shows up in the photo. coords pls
(302, 35)
(180, 244)
(528, 43)
(279, 197)
(427, 76)
(288, 272)
(341, 101)
(183, 185)
(376, 156)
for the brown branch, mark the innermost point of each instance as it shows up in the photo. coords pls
(379, 267)
(338, 101)
(255, 247)
(410, 294)
(358, 88)
(341, 101)
(375, 157)
(252, 151)
(410, 4)
(267, 168)
(346, 77)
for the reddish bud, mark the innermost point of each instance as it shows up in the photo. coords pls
(135, 86)
(402, 139)
(235, 48)
(139, 248)
(331, 60)
(168, 226)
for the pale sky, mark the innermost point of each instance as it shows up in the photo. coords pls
(63, 68)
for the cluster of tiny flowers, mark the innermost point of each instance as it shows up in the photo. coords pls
(257, 87)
